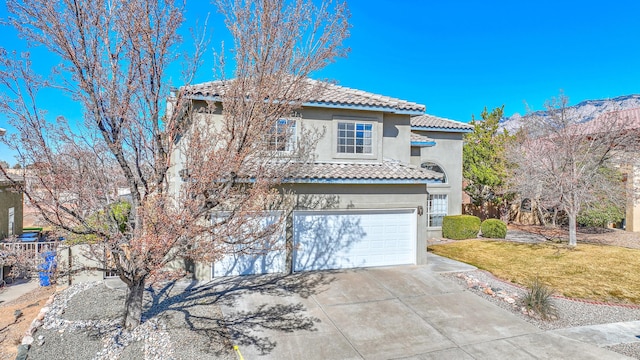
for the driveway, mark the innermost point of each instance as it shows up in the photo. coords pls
(403, 312)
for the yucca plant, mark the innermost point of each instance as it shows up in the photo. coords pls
(539, 300)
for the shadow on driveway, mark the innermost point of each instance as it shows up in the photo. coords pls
(198, 306)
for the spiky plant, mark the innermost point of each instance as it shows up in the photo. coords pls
(539, 300)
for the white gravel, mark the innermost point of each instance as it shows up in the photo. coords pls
(84, 322)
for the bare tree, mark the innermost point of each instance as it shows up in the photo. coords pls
(564, 163)
(115, 56)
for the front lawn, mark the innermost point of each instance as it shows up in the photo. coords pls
(603, 273)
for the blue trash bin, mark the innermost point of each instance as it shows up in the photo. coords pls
(45, 278)
(49, 256)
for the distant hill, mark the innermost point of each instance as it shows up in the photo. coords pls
(588, 109)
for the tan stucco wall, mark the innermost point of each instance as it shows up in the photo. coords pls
(10, 199)
(391, 133)
(632, 220)
(448, 154)
(73, 262)
(396, 137)
(326, 120)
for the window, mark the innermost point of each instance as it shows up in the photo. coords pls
(109, 265)
(282, 136)
(355, 138)
(11, 221)
(435, 168)
(437, 208)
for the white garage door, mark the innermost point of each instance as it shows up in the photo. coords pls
(347, 239)
(262, 257)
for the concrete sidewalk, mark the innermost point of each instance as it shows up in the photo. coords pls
(440, 264)
(604, 334)
(17, 289)
(404, 312)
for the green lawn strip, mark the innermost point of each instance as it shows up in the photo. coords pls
(601, 273)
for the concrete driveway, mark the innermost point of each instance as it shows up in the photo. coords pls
(404, 312)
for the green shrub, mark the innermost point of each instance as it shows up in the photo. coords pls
(538, 300)
(460, 227)
(600, 214)
(494, 229)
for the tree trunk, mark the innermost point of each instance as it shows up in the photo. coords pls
(133, 304)
(572, 229)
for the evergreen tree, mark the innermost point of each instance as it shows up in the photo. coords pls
(484, 159)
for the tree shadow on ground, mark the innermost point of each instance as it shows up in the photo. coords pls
(198, 308)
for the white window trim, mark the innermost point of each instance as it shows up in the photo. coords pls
(440, 211)
(291, 141)
(446, 177)
(12, 221)
(356, 120)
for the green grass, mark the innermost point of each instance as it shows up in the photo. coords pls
(601, 273)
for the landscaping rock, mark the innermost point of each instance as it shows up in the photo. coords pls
(23, 351)
(27, 340)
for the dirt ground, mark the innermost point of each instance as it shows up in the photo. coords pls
(614, 237)
(11, 329)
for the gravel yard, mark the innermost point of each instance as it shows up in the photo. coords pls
(84, 323)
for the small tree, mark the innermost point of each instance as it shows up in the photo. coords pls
(114, 60)
(484, 159)
(564, 163)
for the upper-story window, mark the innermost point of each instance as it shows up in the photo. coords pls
(355, 138)
(282, 135)
(436, 168)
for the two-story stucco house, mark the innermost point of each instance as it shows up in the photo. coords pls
(391, 173)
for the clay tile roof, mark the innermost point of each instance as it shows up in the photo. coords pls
(386, 170)
(630, 117)
(7, 181)
(430, 121)
(329, 94)
(420, 138)
(335, 94)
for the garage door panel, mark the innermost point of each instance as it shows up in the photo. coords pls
(262, 257)
(335, 240)
(250, 264)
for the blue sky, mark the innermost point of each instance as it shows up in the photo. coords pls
(456, 57)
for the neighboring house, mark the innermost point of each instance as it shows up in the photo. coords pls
(386, 201)
(10, 208)
(631, 166)
(436, 145)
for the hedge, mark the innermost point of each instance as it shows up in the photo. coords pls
(460, 227)
(494, 229)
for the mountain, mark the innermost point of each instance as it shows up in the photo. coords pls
(587, 110)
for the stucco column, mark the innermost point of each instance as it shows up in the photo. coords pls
(633, 200)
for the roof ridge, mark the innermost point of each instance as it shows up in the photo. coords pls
(330, 93)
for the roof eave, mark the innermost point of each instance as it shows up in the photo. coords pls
(364, 108)
(440, 129)
(387, 109)
(423, 143)
(365, 181)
